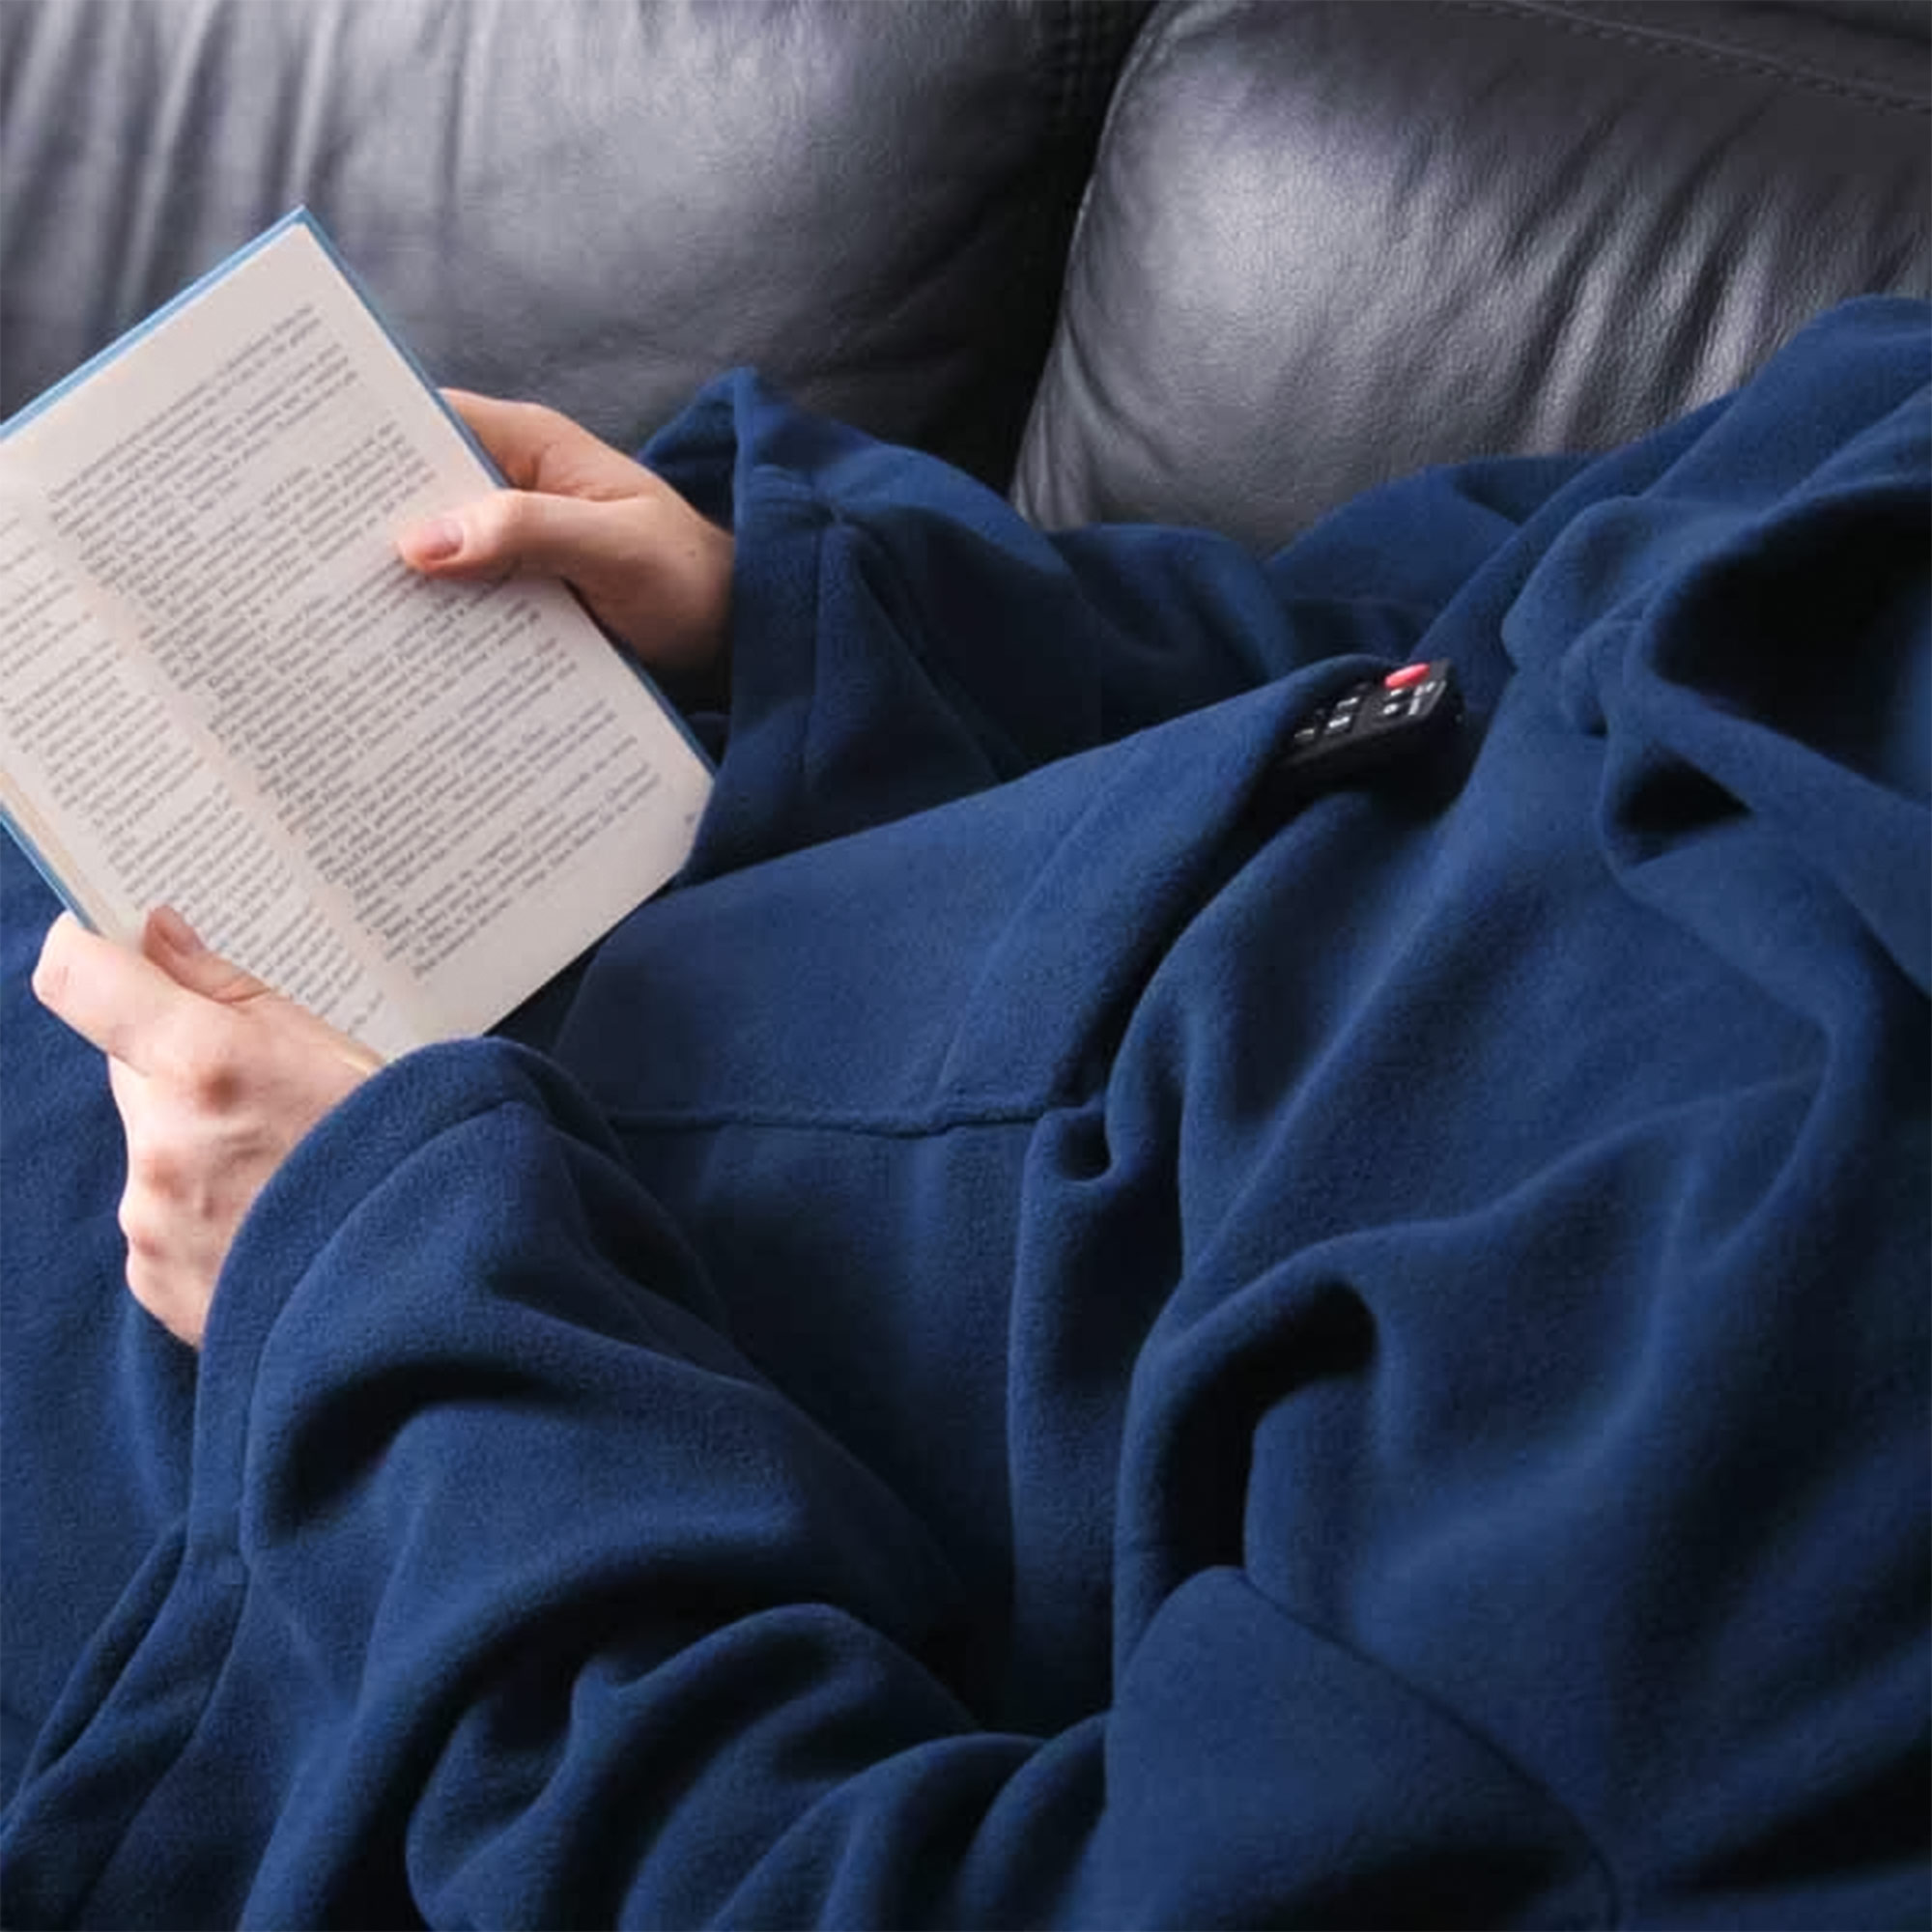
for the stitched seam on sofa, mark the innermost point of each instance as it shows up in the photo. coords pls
(1729, 55)
(1090, 47)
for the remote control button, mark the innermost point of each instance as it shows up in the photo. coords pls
(1403, 678)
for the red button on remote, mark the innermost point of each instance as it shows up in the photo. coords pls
(1400, 680)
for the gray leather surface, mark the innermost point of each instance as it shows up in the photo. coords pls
(1326, 241)
(1330, 242)
(597, 202)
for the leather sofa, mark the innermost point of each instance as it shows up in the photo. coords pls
(1222, 262)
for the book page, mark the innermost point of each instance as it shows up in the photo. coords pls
(467, 781)
(99, 747)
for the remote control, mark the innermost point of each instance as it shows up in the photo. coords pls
(1411, 710)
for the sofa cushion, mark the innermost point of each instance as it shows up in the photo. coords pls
(594, 203)
(1329, 244)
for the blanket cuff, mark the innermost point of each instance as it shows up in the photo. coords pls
(347, 1156)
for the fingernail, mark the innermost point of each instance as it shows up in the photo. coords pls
(433, 542)
(174, 931)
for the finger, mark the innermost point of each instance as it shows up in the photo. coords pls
(526, 532)
(109, 994)
(512, 432)
(178, 949)
(541, 448)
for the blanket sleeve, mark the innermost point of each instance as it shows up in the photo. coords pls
(510, 1594)
(900, 638)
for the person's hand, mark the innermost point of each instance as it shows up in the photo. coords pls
(216, 1079)
(654, 573)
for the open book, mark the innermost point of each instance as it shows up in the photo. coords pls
(404, 804)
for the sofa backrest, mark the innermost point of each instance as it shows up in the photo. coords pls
(1330, 242)
(1324, 240)
(599, 203)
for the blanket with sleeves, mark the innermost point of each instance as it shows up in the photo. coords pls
(1065, 1333)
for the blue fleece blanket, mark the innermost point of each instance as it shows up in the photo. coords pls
(1063, 1332)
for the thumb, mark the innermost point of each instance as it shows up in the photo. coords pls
(526, 532)
(168, 941)
(177, 949)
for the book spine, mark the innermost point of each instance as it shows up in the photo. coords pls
(45, 866)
